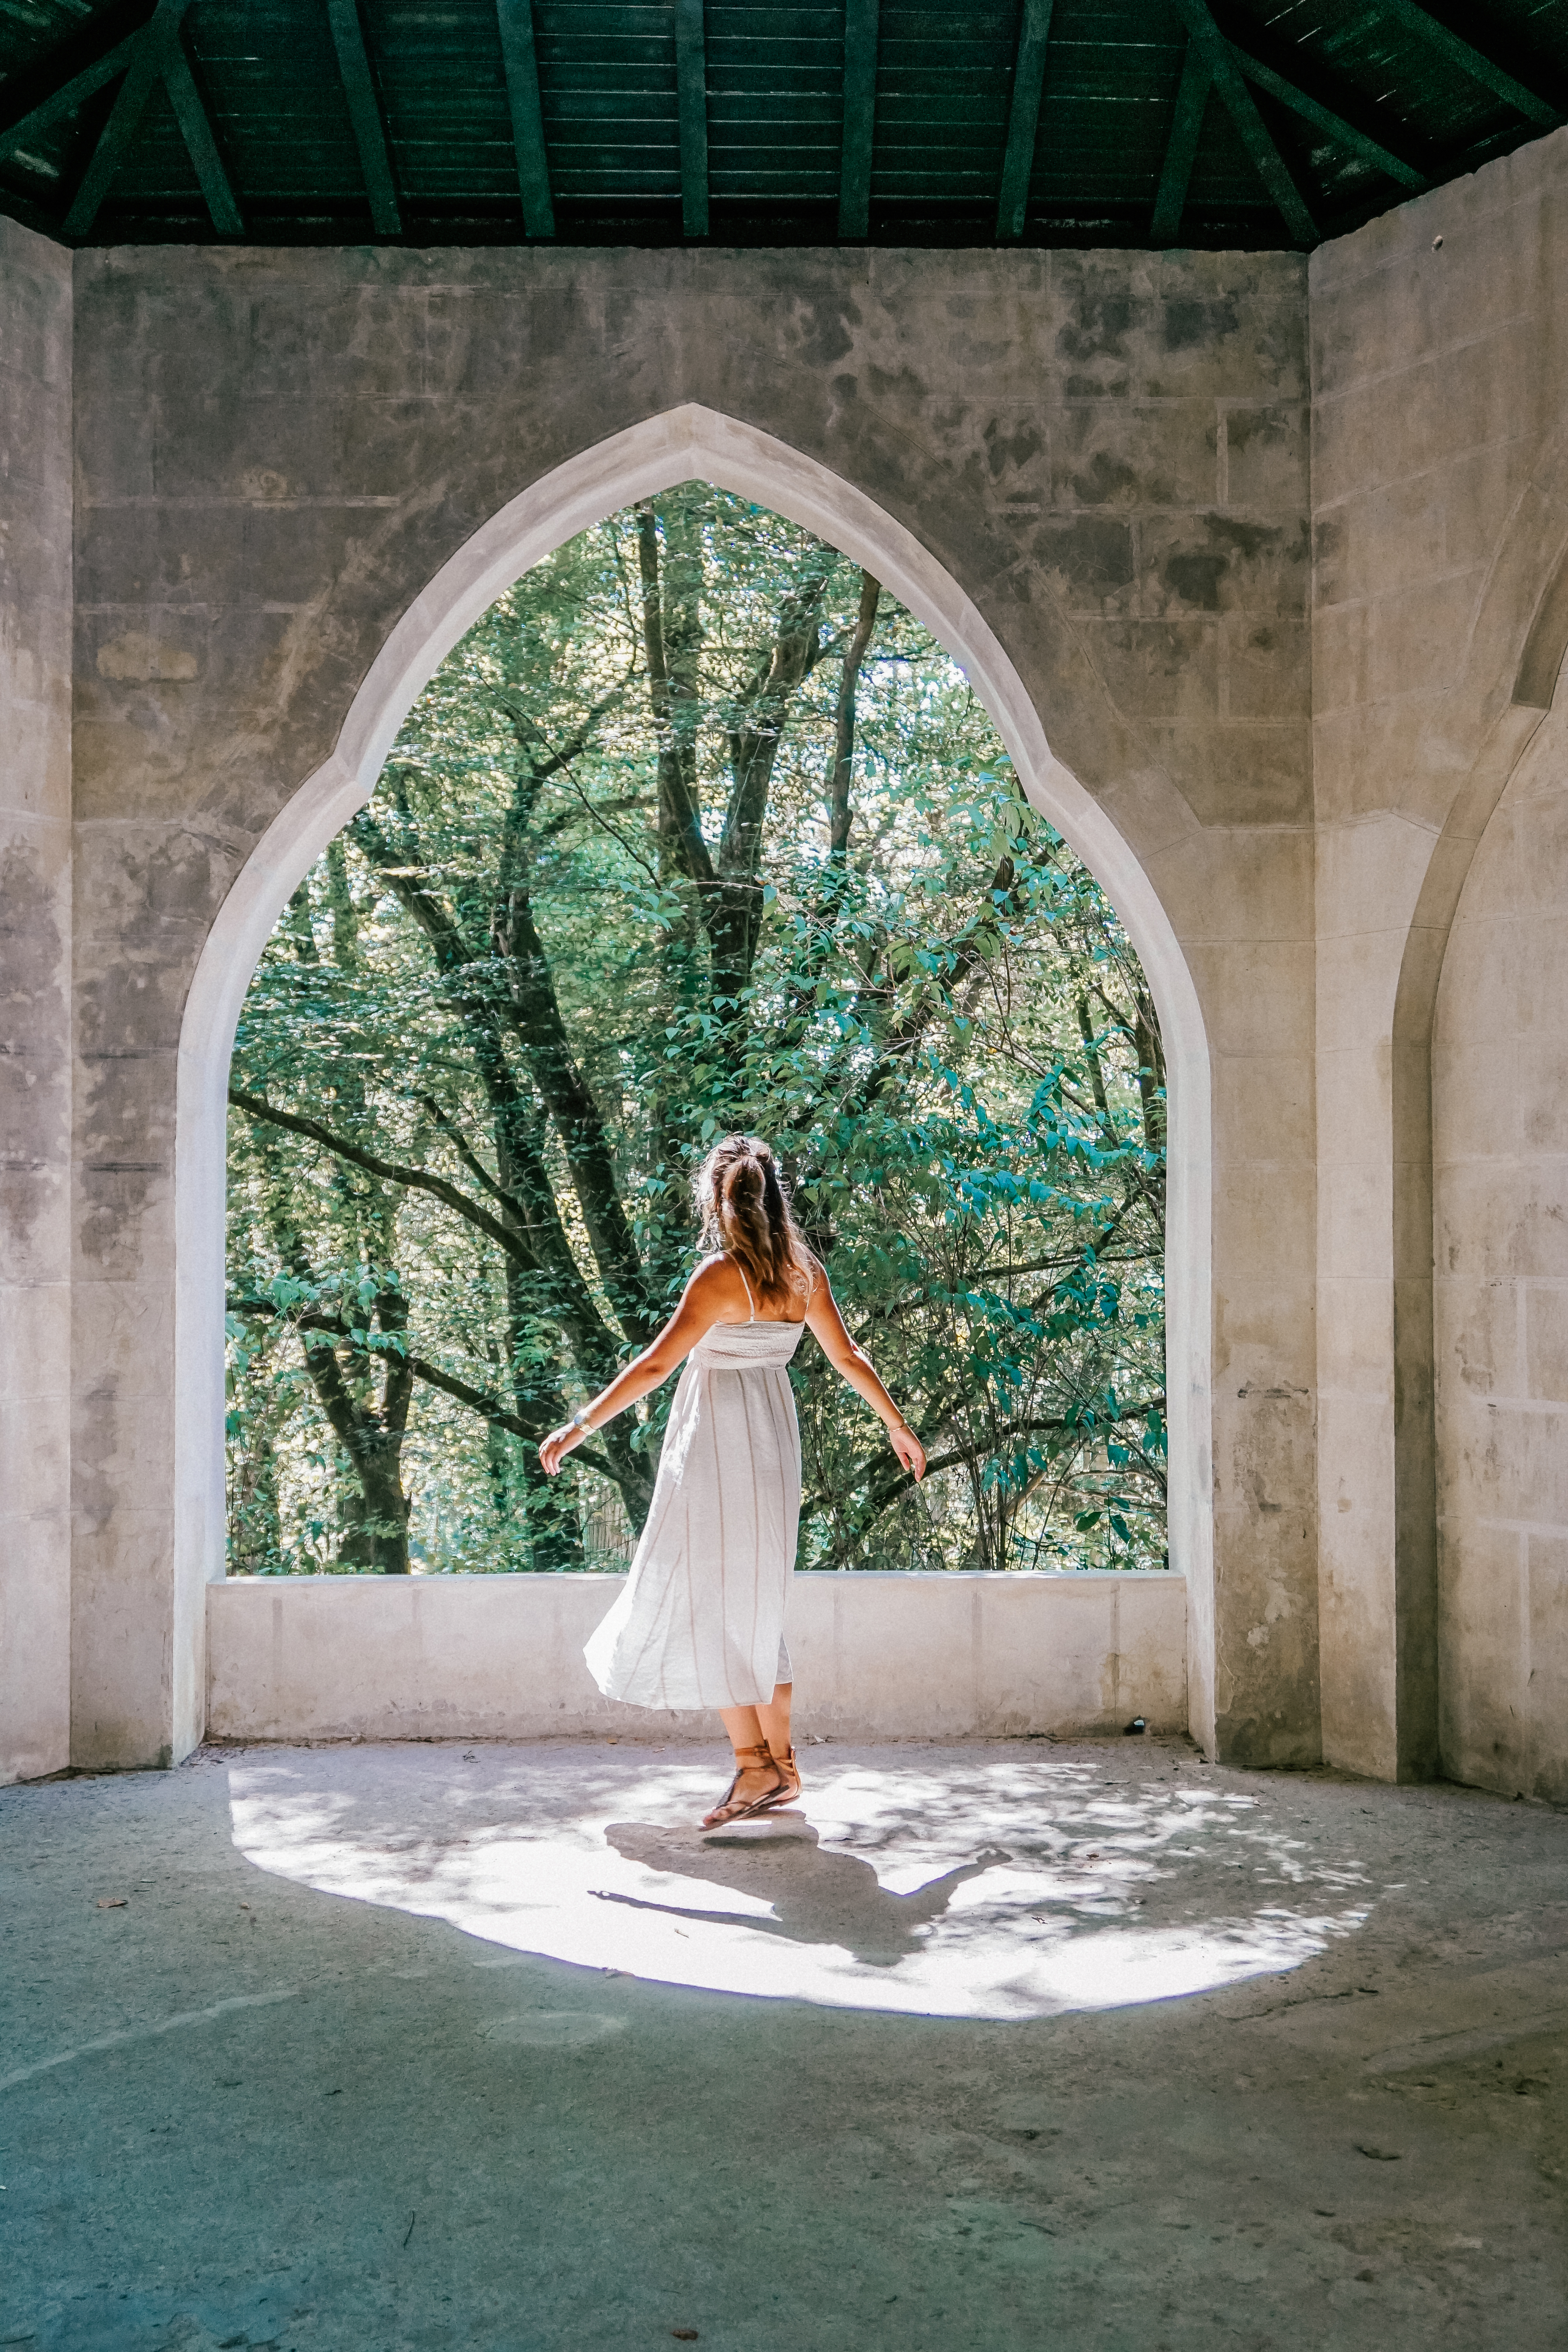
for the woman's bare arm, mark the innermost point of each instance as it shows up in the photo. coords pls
(710, 1297)
(855, 1365)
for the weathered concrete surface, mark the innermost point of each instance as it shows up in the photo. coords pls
(1108, 453)
(244, 2110)
(1501, 1118)
(875, 1657)
(1440, 506)
(35, 1003)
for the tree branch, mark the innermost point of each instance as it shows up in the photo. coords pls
(391, 1171)
(591, 1338)
(889, 1492)
(420, 1368)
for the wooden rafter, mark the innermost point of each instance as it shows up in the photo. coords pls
(1406, 103)
(38, 113)
(123, 117)
(196, 129)
(1322, 117)
(1181, 146)
(691, 85)
(364, 115)
(861, 32)
(1024, 118)
(520, 60)
(1470, 60)
(1267, 161)
(154, 54)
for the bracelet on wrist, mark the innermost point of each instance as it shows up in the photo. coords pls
(579, 1419)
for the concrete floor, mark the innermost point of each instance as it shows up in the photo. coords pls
(994, 2046)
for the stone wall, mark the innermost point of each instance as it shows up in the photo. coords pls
(276, 451)
(1295, 660)
(1440, 505)
(875, 1657)
(1500, 1114)
(35, 1003)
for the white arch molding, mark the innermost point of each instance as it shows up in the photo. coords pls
(684, 443)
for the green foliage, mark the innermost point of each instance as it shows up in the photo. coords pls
(694, 830)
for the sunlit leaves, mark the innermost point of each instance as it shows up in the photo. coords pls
(941, 1034)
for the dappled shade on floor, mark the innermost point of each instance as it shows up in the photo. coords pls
(1006, 1881)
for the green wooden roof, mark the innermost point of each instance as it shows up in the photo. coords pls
(1139, 123)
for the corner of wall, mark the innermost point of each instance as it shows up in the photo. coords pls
(36, 631)
(1438, 336)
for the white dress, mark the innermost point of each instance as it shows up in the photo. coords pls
(701, 1623)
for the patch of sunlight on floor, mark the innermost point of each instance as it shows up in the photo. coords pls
(989, 1882)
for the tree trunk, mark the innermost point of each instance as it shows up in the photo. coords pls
(734, 912)
(550, 1504)
(842, 767)
(380, 1541)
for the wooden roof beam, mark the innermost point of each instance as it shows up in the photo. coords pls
(40, 113)
(114, 139)
(1322, 117)
(1024, 120)
(1269, 164)
(155, 52)
(691, 87)
(364, 115)
(1181, 146)
(1470, 60)
(519, 59)
(196, 129)
(861, 35)
(158, 57)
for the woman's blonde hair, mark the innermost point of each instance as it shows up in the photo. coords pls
(744, 1208)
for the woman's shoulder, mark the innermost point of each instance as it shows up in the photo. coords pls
(717, 1291)
(715, 1276)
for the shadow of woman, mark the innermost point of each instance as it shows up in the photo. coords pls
(816, 1897)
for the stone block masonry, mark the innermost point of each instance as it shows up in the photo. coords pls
(1275, 551)
(35, 303)
(876, 1657)
(276, 453)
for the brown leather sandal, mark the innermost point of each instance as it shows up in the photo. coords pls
(746, 1759)
(789, 1786)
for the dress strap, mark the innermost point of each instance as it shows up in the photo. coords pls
(747, 1289)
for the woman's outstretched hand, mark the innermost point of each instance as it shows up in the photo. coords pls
(559, 1444)
(910, 1451)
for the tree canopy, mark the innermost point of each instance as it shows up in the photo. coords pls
(697, 829)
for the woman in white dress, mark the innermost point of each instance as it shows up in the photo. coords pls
(701, 1621)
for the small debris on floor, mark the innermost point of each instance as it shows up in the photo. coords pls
(113, 1902)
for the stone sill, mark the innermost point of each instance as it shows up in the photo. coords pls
(878, 1654)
